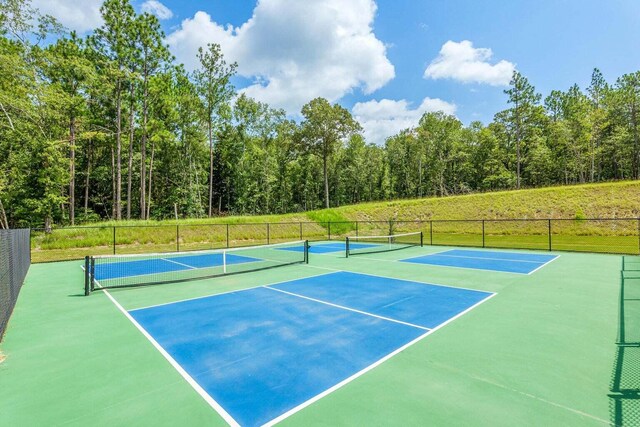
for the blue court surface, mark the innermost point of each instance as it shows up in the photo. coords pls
(507, 262)
(262, 352)
(324, 248)
(125, 268)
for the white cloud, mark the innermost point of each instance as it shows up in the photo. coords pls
(156, 8)
(462, 62)
(385, 118)
(295, 50)
(80, 16)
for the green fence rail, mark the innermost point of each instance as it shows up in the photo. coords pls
(616, 236)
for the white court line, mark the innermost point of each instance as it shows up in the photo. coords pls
(548, 262)
(484, 258)
(370, 367)
(349, 309)
(228, 292)
(402, 280)
(215, 405)
(179, 263)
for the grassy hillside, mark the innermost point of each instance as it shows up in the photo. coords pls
(575, 203)
(607, 200)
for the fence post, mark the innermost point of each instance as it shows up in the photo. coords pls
(268, 234)
(431, 232)
(114, 239)
(638, 235)
(227, 236)
(300, 230)
(549, 228)
(178, 237)
(329, 229)
(357, 227)
(483, 233)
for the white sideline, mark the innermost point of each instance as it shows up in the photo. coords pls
(215, 405)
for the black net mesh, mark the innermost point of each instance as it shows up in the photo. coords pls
(373, 244)
(15, 260)
(121, 271)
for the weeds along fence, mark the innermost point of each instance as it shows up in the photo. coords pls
(615, 236)
(14, 264)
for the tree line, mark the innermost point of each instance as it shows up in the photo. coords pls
(109, 126)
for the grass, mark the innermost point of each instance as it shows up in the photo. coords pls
(574, 204)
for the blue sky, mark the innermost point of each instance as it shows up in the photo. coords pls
(389, 61)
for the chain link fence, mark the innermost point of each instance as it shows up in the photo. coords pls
(14, 264)
(615, 236)
(624, 395)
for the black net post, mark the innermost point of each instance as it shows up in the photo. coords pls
(87, 275)
(346, 247)
(421, 239)
(306, 252)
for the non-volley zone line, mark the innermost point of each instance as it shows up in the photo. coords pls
(501, 261)
(262, 355)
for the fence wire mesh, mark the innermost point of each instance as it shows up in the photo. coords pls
(15, 260)
(616, 236)
(624, 396)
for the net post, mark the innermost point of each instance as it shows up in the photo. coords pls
(178, 237)
(306, 252)
(87, 276)
(549, 231)
(346, 247)
(421, 239)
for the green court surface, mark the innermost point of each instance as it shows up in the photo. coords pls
(539, 352)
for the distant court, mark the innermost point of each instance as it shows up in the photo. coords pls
(506, 262)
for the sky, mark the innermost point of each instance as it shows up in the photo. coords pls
(390, 61)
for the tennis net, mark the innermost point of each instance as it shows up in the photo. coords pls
(371, 244)
(122, 271)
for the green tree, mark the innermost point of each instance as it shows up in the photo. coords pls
(323, 130)
(213, 82)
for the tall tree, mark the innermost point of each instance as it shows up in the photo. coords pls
(69, 69)
(524, 99)
(213, 82)
(113, 41)
(324, 129)
(154, 56)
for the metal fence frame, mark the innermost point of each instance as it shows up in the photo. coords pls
(15, 259)
(545, 234)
